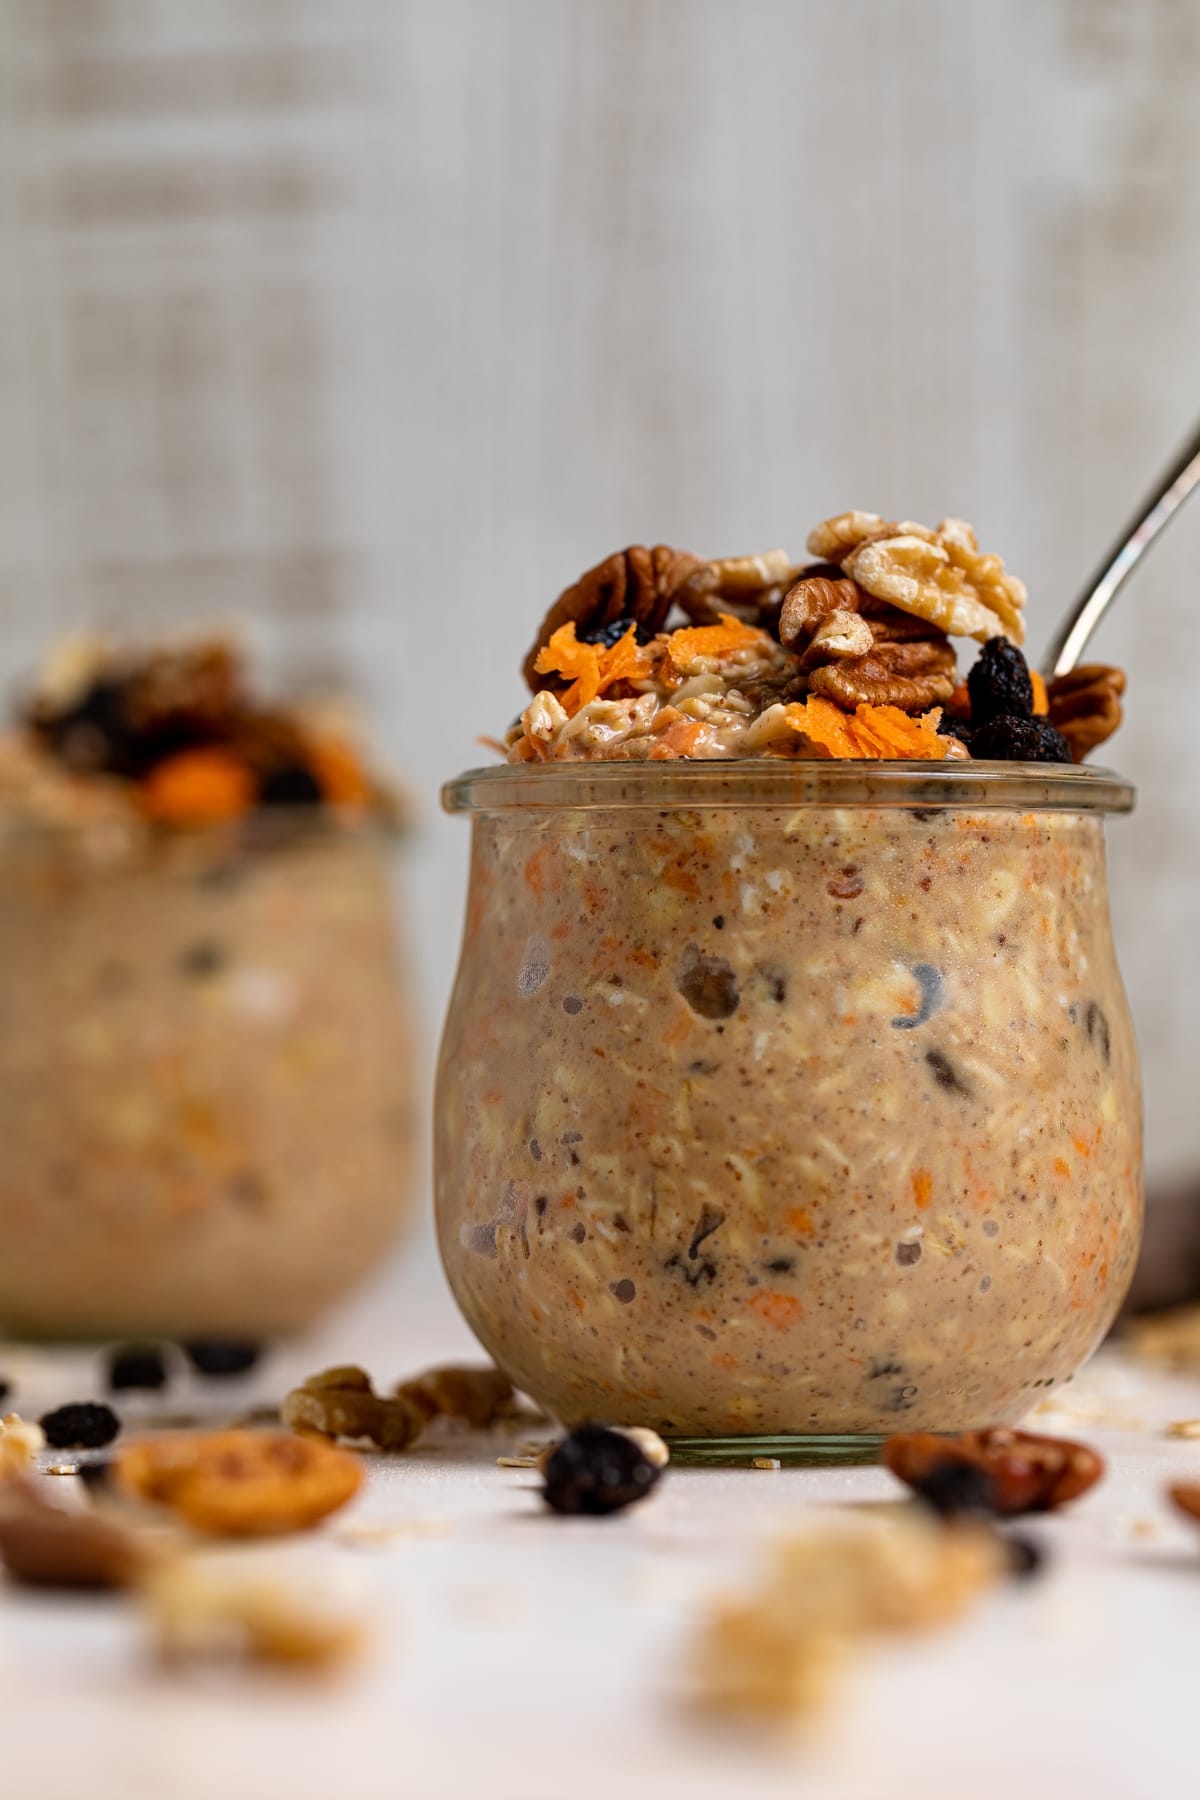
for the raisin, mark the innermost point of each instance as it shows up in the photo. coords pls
(999, 683)
(953, 1489)
(218, 1357)
(5, 1388)
(605, 636)
(290, 785)
(595, 1470)
(955, 728)
(81, 1425)
(136, 1366)
(1011, 739)
(1025, 1558)
(945, 1073)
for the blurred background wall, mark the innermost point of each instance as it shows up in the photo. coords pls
(373, 324)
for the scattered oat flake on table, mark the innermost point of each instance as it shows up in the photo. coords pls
(765, 1462)
(199, 1609)
(1184, 1428)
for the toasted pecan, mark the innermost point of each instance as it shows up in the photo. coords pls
(1085, 705)
(1028, 1472)
(637, 584)
(811, 600)
(912, 676)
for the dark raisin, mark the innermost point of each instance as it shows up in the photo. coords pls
(999, 683)
(5, 1388)
(1025, 1558)
(608, 635)
(1009, 739)
(945, 1073)
(81, 1425)
(136, 1366)
(719, 922)
(94, 1475)
(595, 1470)
(955, 728)
(708, 984)
(955, 1488)
(218, 1357)
(290, 785)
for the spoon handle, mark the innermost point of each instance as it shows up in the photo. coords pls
(1083, 618)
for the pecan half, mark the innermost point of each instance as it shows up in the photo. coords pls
(1028, 1473)
(912, 676)
(750, 587)
(1086, 705)
(1186, 1495)
(637, 584)
(840, 634)
(811, 600)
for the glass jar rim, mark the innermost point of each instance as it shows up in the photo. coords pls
(778, 781)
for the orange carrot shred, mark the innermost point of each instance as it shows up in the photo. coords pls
(711, 640)
(1041, 700)
(197, 787)
(869, 731)
(590, 668)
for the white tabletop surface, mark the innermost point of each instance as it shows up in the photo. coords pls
(519, 1654)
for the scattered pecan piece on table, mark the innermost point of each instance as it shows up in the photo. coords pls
(1029, 1473)
(44, 1546)
(637, 586)
(912, 676)
(1085, 706)
(240, 1483)
(1186, 1495)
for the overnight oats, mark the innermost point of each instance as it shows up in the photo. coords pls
(206, 1081)
(789, 1090)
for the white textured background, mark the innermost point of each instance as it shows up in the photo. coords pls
(374, 324)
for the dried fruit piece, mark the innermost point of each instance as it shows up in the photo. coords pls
(221, 1358)
(999, 683)
(44, 1546)
(1028, 1473)
(136, 1366)
(240, 1483)
(638, 584)
(597, 1470)
(81, 1425)
(478, 1396)
(912, 676)
(198, 1609)
(1019, 740)
(341, 1403)
(1086, 705)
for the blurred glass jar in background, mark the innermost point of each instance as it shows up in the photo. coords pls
(206, 1065)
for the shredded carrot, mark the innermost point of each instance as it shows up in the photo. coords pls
(590, 668)
(870, 731)
(1041, 699)
(712, 640)
(922, 1187)
(779, 1310)
(339, 772)
(798, 1219)
(197, 787)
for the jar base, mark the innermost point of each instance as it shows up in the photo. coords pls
(792, 1450)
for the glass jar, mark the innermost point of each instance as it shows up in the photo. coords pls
(206, 1076)
(793, 1102)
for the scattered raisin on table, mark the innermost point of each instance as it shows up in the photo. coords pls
(218, 1357)
(1012, 739)
(80, 1425)
(136, 1366)
(999, 683)
(596, 1470)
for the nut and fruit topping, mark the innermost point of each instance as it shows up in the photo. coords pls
(476, 1395)
(597, 1469)
(1024, 1472)
(240, 1483)
(44, 1546)
(659, 655)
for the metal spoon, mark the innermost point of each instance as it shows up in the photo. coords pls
(1087, 612)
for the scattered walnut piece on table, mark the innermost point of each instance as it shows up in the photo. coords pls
(776, 1652)
(1026, 1472)
(341, 1403)
(198, 1609)
(478, 1395)
(1186, 1495)
(1085, 705)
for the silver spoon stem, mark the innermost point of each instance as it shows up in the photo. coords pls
(1083, 618)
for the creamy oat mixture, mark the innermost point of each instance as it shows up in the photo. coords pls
(206, 1071)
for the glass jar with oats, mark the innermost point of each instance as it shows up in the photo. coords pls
(789, 1102)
